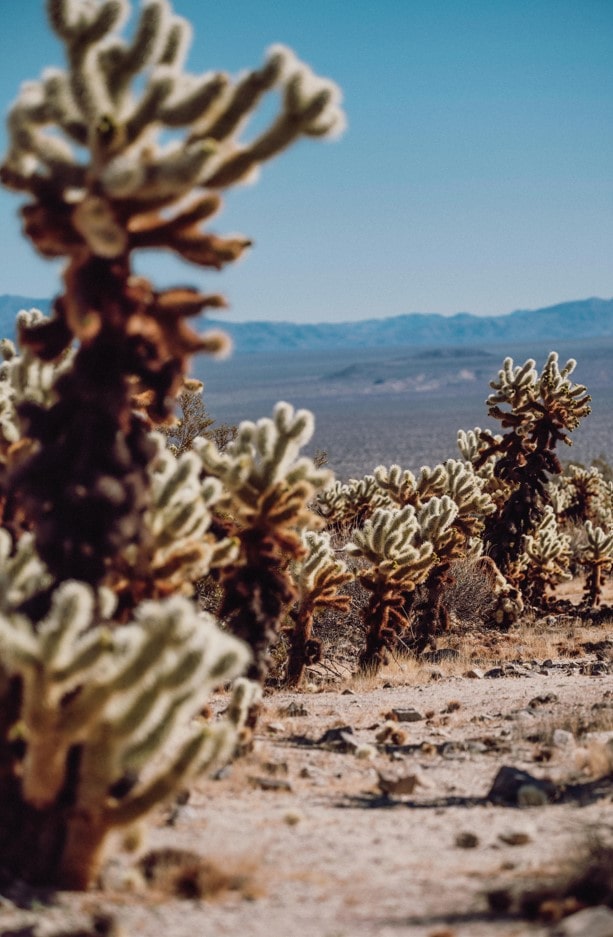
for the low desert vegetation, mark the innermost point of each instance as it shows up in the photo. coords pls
(147, 556)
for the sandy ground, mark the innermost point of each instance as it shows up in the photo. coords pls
(317, 849)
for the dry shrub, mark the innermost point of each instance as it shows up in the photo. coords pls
(470, 598)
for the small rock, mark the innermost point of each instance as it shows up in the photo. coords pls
(466, 840)
(339, 739)
(401, 785)
(407, 715)
(308, 772)
(275, 728)
(475, 673)
(276, 768)
(542, 700)
(348, 692)
(436, 675)
(499, 900)
(270, 784)
(547, 663)
(529, 795)
(494, 674)
(293, 817)
(562, 738)
(476, 747)
(365, 752)
(515, 837)
(453, 751)
(591, 922)
(513, 786)
(294, 709)
(597, 669)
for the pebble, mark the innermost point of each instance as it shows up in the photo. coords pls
(515, 837)
(276, 768)
(294, 709)
(516, 787)
(466, 840)
(407, 715)
(401, 785)
(494, 674)
(270, 784)
(293, 817)
(542, 700)
(591, 922)
(562, 738)
(475, 673)
(275, 728)
(529, 795)
(365, 752)
(339, 739)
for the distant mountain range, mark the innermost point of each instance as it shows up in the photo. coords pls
(586, 318)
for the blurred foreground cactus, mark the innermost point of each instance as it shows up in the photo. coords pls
(106, 723)
(116, 100)
(103, 666)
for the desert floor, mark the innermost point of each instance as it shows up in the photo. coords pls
(383, 827)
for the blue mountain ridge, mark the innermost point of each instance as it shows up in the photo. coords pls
(579, 319)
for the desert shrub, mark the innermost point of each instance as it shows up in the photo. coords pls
(195, 422)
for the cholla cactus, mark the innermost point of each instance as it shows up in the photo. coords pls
(267, 491)
(347, 505)
(473, 445)
(451, 494)
(452, 478)
(114, 103)
(582, 494)
(399, 485)
(178, 548)
(538, 411)
(470, 495)
(24, 377)
(390, 543)
(318, 576)
(85, 705)
(597, 556)
(117, 698)
(21, 571)
(545, 559)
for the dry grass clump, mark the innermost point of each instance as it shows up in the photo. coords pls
(181, 873)
(469, 596)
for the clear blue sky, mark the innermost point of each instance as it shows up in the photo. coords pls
(476, 173)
